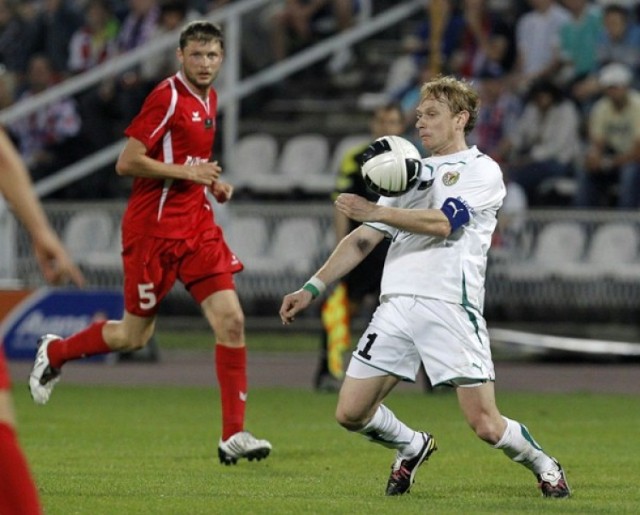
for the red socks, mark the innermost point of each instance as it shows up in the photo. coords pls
(18, 494)
(231, 369)
(88, 342)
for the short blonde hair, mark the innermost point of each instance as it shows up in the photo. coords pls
(457, 94)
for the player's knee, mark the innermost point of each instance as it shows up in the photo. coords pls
(130, 343)
(349, 420)
(230, 326)
(123, 342)
(488, 429)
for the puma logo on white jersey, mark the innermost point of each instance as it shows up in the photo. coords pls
(455, 209)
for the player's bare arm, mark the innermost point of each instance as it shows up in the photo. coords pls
(420, 221)
(349, 252)
(15, 184)
(133, 161)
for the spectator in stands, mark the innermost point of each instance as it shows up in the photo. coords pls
(358, 292)
(15, 36)
(55, 24)
(93, 44)
(577, 56)
(139, 24)
(537, 34)
(545, 141)
(96, 40)
(498, 114)
(413, 67)
(47, 139)
(137, 29)
(8, 84)
(486, 42)
(295, 23)
(612, 158)
(619, 41)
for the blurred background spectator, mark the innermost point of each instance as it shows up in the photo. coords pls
(49, 138)
(54, 25)
(610, 175)
(15, 33)
(537, 40)
(618, 41)
(296, 23)
(96, 40)
(577, 55)
(497, 116)
(545, 141)
(486, 41)
(506, 47)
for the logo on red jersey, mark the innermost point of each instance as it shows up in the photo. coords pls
(195, 116)
(194, 160)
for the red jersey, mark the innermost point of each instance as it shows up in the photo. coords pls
(176, 126)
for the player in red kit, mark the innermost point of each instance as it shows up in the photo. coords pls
(18, 494)
(169, 234)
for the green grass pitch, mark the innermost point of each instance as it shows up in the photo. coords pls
(110, 450)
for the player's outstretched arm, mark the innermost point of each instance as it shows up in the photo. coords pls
(16, 186)
(349, 252)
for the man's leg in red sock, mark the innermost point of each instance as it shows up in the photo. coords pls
(231, 369)
(88, 342)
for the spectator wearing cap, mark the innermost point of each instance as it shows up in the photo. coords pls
(545, 141)
(610, 175)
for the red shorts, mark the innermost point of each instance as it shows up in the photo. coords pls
(204, 264)
(5, 382)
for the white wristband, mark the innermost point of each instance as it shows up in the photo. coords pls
(315, 286)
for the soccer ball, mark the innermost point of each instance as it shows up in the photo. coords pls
(391, 166)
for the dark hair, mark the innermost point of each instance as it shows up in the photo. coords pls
(390, 106)
(616, 9)
(174, 6)
(545, 86)
(201, 30)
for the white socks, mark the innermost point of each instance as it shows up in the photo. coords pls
(518, 444)
(384, 428)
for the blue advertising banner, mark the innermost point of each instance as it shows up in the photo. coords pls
(58, 311)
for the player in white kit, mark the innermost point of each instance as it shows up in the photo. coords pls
(432, 295)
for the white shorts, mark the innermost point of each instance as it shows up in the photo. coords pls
(451, 340)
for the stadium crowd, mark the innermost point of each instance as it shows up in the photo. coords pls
(559, 81)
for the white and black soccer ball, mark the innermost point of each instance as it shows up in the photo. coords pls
(391, 166)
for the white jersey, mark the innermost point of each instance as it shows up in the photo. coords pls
(451, 269)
